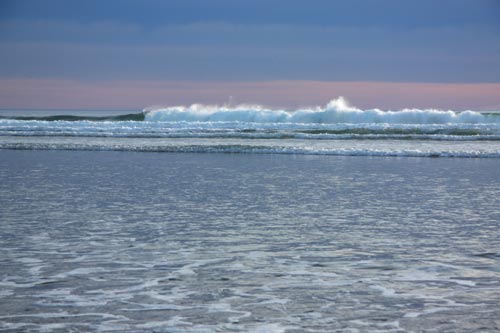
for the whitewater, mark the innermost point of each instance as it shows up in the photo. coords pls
(335, 129)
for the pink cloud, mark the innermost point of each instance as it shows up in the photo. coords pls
(68, 94)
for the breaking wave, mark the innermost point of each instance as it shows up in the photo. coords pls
(336, 129)
(338, 111)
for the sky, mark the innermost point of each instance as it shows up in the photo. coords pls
(133, 54)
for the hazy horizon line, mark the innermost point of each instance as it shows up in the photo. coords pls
(67, 94)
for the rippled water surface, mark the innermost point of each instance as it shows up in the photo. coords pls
(168, 242)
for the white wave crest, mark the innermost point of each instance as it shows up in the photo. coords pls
(335, 112)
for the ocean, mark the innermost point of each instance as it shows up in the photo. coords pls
(336, 129)
(247, 219)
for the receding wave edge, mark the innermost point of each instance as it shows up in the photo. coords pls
(250, 149)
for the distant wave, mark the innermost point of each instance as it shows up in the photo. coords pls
(125, 117)
(336, 111)
(336, 129)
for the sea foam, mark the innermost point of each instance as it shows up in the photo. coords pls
(335, 112)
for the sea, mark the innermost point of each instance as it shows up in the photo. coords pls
(250, 219)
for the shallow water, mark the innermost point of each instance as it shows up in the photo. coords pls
(143, 242)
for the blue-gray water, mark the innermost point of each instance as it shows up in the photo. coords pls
(169, 242)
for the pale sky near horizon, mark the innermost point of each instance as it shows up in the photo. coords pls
(132, 54)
